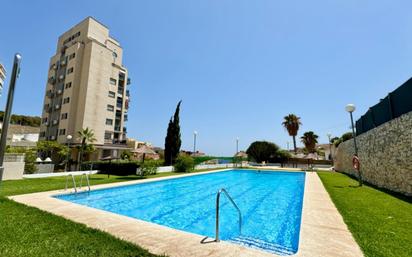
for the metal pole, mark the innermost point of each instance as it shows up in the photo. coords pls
(68, 156)
(217, 217)
(330, 148)
(7, 111)
(356, 148)
(237, 145)
(194, 144)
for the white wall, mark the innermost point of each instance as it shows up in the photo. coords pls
(13, 170)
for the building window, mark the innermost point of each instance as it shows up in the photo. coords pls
(109, 122)
(64, 116)
(112, 81)
(42, 134)
(72, 56)
(70, 70)
(66, 100)
(107, 135)
(112, 94)
(110, 108)
(68, 85)
(44, 120)
(62, 132)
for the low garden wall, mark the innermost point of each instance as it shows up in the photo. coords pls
(385, 153)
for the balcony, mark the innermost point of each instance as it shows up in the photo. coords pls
(55, 122)
(127, 92)
(61, 77)
(57, 106)
(52, 80)
(129, 81)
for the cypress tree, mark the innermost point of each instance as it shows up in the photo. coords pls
(172, 140)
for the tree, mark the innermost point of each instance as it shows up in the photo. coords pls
(346, 136)
(292, 122)
(310, 139)
(262, 151)
(172, 140)
(56, 151)
(126, 155)
(332, 140)
(86, 136)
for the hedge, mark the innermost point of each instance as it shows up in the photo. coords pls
(120, 168)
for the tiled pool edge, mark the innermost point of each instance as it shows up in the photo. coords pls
(323, 232)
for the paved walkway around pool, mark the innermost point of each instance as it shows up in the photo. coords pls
(323, 232)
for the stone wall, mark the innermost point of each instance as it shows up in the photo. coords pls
(385, 153)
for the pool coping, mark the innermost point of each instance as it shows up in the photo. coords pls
(322, 233)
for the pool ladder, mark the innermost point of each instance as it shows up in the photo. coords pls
(81, 182)
(217, 212)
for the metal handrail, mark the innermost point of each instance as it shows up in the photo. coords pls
(87, 180)
(217, 212)
(81, 182)
(74, 183)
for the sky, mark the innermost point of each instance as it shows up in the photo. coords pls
(238, 66)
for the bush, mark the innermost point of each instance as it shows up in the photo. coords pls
(282, 156)
(262, 151)
(149, 167)
(30, 159)
(184, 163)
(126, 155)
(120, 168)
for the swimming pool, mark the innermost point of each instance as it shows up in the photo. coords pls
(270, 203)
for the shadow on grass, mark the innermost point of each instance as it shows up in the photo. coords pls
(397, 195)
(129, 178)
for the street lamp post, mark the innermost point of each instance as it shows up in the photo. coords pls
(351, 108)
(7, 111)
(237, 145)
(330, 147)
(194, 142)
(69, 138)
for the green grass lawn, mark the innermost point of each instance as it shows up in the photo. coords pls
(27, 231)
(381, 223)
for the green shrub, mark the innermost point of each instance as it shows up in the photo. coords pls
(282, 156)
(262, 151)
(184, 163)
(149, 167)
(30, 159)
(126, 155)
(120, 168)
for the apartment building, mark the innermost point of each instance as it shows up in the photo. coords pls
(2, 77)
(87, 88)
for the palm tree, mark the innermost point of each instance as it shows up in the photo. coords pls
(86, 136)
(292, 123)
(310, 139)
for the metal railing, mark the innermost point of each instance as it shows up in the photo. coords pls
(217, 212)
(74, 182)
(81, 182)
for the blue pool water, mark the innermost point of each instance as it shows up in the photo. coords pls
(270, 203)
